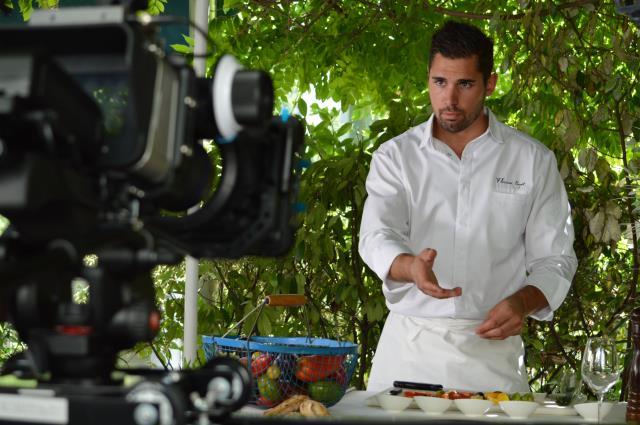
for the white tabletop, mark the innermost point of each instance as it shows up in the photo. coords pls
(355, 405)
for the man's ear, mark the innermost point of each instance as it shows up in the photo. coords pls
(491, 84)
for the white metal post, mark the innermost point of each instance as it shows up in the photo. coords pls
(200, 15)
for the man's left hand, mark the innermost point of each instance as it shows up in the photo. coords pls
(506, 318)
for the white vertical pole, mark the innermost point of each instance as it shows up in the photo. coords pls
(200, 15)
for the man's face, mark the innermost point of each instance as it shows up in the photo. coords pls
(457, 92)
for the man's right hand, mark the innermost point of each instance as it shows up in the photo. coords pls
(419, 270)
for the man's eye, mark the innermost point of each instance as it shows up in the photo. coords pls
(439, 82)
(466, 84)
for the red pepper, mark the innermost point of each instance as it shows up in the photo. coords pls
(315, 368)
(260, 364)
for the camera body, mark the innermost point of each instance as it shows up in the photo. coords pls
(101, 153)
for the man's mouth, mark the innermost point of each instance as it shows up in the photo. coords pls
(450, 115)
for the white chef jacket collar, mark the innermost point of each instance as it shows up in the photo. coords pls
(496, 130)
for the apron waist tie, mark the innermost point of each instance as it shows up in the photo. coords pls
(442, 326)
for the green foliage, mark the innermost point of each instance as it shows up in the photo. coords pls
(10, 342)
(156, 7)
(568, 75)
(26, 6)
(6, 6)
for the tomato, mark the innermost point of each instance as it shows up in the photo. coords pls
(260, 364)
(327, 363)
(412, 394)
(316, 368)
(456, 395)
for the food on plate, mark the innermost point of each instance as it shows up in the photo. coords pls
(451, 395)
(496, 396)
(411, 394)
(298, 405)
(521, 397)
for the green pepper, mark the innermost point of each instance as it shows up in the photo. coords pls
(328, 392)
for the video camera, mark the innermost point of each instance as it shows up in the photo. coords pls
(101, 153)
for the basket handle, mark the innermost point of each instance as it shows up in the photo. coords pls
(285, 300)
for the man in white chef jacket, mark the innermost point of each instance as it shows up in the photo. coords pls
(468, 225)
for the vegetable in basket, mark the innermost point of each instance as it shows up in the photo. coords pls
(315, 368)
(260, 364)
(269, 388)
(273, 371)
(327, 392)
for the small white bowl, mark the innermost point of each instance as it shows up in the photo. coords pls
(519, 409)
(472, 406)
(393, 403)
(539, 397)
(432, 405)
(589, 411)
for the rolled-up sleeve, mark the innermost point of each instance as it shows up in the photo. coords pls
(385, 221)
(550, 259)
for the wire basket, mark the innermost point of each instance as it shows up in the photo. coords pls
(281, 366)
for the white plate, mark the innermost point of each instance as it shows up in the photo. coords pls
(547, 409)
(373, 402)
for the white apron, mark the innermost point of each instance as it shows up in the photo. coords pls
(447, 352)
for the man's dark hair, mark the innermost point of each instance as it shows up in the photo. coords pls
(456, 40)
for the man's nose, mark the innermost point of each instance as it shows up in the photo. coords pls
(451, 96)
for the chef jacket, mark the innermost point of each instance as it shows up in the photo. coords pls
(498, 217)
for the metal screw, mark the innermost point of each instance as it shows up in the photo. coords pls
(190, 102)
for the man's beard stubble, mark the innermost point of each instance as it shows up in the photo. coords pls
(455, 127)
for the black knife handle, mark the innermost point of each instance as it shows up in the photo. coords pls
(417, 386)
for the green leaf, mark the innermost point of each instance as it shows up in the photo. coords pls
(302, 107)
(596, 225)
(181, 48)
(563, 64)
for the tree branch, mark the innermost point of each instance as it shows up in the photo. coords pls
(504, 17)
